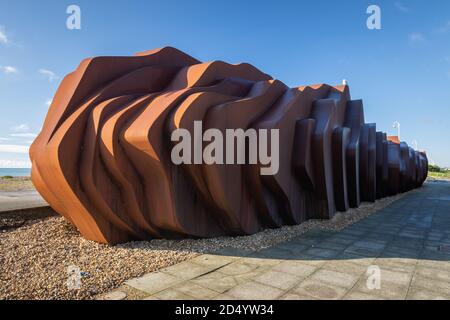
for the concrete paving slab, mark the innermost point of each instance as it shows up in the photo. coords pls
(153, 282)
(19, 200)
(403, 240)
(319, 290)
(255, 291)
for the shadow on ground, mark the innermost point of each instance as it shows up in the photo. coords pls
(415, 227)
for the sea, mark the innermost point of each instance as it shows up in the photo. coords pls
(15, 172)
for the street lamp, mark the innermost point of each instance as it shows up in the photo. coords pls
(414, 144)
(396, 125)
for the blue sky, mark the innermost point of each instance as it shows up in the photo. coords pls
(402, 72)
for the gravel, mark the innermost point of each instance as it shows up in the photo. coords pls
(35, 254)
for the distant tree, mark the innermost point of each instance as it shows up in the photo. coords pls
(434, 168)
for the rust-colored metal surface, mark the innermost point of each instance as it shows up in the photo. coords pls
(103, 158)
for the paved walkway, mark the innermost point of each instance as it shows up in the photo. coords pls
(409, 241)
(18, 200)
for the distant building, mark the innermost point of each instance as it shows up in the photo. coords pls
(394, 139)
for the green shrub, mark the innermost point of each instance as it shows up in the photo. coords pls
(434, 168)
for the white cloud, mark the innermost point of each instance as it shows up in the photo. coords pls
(416, 37)
(48, 102)
(49, 75)
(8, 69)
(3, 37)
(6, 163)
(23, 127)
(400, 6)
(23, 135)
(13, 148)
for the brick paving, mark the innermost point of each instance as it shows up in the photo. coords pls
(409, 241)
